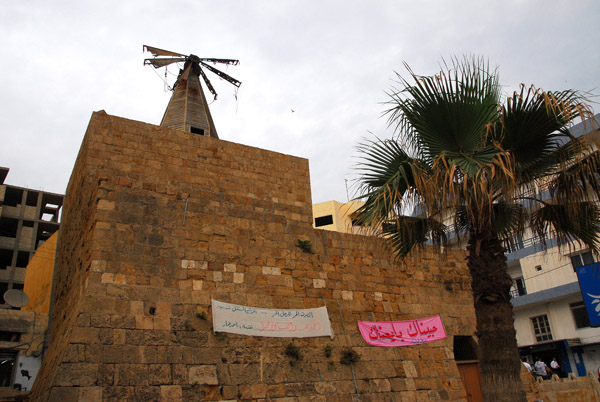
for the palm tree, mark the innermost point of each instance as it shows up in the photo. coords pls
(486, 170)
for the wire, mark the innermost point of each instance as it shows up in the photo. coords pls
(548, 271)
(235, 95)
(164, 80)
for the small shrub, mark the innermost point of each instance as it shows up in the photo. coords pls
(293, 352)
(202, 315)
(349, 356)
(304, 245)
(327, 351)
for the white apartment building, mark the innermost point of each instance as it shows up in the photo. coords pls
(550, 317)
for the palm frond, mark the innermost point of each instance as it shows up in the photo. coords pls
(532, 129)
(387, 180)
(406, 232)
(580, 223)
(580, 181)
(448, 112)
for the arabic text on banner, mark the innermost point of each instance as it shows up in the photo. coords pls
(244, 320)
(402, 333)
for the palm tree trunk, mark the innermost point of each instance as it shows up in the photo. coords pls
(498, 354)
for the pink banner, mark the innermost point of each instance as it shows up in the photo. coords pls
(402, 333)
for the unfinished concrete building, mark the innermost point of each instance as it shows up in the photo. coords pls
(27, 219)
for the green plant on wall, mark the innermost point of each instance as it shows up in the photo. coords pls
(293, 352)
(349, 356)
(202, 315)
(304, 245)
(327, 351)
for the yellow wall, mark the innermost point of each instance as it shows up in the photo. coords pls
(341, 215)
(38, 277)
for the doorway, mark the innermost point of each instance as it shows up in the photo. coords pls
(465, 355)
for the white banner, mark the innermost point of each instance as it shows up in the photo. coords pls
(254, 321)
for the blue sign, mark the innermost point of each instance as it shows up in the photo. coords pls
(589, 282)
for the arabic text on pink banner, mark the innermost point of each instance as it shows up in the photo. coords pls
(402, 333)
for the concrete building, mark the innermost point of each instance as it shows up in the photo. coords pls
(336, 216)
(550, 316)
(28, 218)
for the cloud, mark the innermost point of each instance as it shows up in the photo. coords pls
(331, 62)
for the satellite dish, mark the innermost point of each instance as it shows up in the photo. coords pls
(16, 298)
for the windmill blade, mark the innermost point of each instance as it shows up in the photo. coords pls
(161, 62)
(160, 52)
(222, 75)
(208, 84)
(230, 62)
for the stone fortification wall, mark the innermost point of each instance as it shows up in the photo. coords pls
(570, 389)
(157, 222)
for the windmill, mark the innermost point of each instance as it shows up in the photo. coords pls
(188, 109)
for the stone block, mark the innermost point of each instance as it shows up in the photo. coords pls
(271, 271)
(131, 374)
(230, 267)
(230, 392)
(64, 394)
(144, 322)
(206, 374)
(170, 393)
(159, 374)
(409, 369)
(90, 394)
(238, 277)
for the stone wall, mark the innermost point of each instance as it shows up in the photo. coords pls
(156, 222)
(571, 389)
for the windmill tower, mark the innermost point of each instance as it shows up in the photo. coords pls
(187, 109)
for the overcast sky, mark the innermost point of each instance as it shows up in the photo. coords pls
(329, 61)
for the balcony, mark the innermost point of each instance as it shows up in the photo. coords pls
(515, 250)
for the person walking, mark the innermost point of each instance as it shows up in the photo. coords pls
(540, 368)
(526, 364)
(556, 369)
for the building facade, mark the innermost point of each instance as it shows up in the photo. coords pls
(550, 317)
(28, 218)
(336, 216)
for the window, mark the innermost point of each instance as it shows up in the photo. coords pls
(580, 315)
(581, 259)
(324, 220)
(196, 130)
(518, 288)
(7, 364)
(538, 268)
(541, 328)
(355, 222)
(7, 336)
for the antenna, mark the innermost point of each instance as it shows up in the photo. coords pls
(16, 298)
